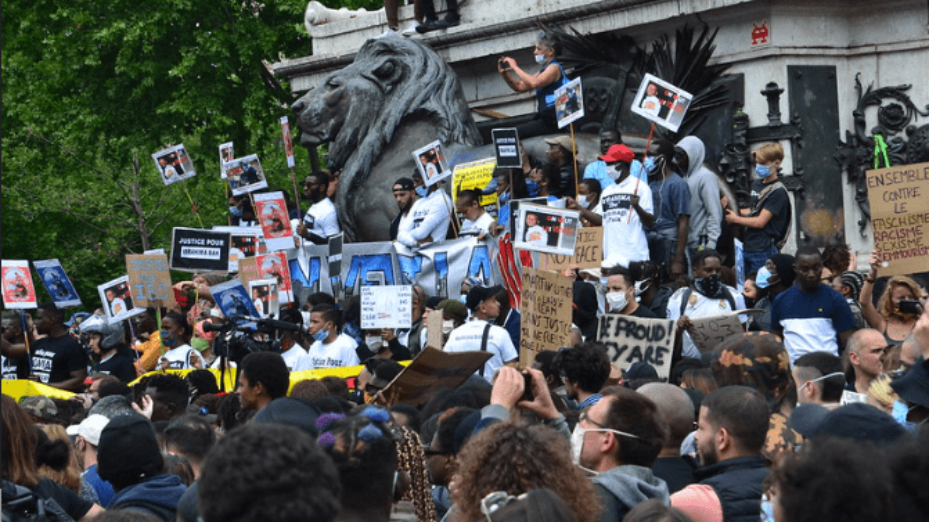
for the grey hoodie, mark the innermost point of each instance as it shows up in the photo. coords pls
(706, 212)
(622, 487)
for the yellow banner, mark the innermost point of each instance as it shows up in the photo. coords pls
(20, 389)
(476, 175)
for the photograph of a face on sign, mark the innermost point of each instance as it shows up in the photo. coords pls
(57, 283)
(275, 267)
(271, 210)
(264, 297)
(430, 160)
(226, 154)
(569, 103)
(661, 102)
(116, 298)
(18, 290)
(245, 175)
(174, 164)
(546, 229)
(232, 298)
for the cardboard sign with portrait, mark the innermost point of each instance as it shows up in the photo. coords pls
(116, 300)
(245, 175)
(569, 103)
(431, 162)
(547, 229)
(174, 164)
(57, 283)
(271, 211)
(661, 102)
(18, 289)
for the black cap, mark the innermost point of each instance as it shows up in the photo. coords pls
(479, 294)
(128, 445)
(860, 421)
(290, 411)
(405, 183)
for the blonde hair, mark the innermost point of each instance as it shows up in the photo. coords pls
(768, 152)
(885, 304)
(881, 392)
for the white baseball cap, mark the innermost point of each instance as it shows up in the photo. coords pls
(90, 428)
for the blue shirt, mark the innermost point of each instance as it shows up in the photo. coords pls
(811, 321)
(589, 401)
(597, 170)
(103, 488)
(671, 198)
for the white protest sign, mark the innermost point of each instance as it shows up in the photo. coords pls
(569, 103)
(634, 339)
(431, 162)
(116, 297)
(387, 306)
(661, 102)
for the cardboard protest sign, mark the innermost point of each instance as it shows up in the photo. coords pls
(57, 283)
(661, 102)
(569, 103)
(116, 298)
(710, 331)
(506, 148)
(264, 297)
(196, 250)
(232, 298)
(386, 307)
(547, 229)
(588, 252)
(546, 305)
(288, 141)
(739, 264)
(275, 266)
(18, 290)
(431, 162)
(226, 154)
(150, 280)
(174, 164)
(632, 339)
(335, 264)
(271, 211)
(434, 335)
(248, 270)
(900, 217)
(432, 369)
(245, 175)
(476, 175)
(243, 242)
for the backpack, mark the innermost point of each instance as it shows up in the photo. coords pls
(689, 290)
(781, 240)
(21, 504)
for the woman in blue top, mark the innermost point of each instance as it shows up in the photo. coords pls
(550, 77)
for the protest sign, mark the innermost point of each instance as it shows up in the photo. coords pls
(900, 217)
(116, 297)
(661, 102)
(547, 229)
(431, 162)
(546, 306)
(275, 266)
(739, 264)
(243, 242)
(569, 103)
(476, 175)
(150, 280)
(588, 252)
(632, 339)
(335, 264)
(226, 155)
(196, 250)
(435, 337)
(245, 175)
(506, 148)
(271, 211)
(174, 164)
(232, 298)
(248, 270)
(431, 370)
(57, 283)
(710, 331)
(288, 141)
(512, 219)
(18, 290)
(386, 307)
(264, 297)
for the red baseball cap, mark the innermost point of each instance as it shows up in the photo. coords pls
(618, 152)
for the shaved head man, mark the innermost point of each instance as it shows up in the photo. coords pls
(866, 349)
(675, 406)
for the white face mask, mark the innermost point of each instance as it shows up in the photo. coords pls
(612, 172)
(617, 301)
(374, 343)
(448, 326)
(582, 201)
(540, 59)
(577, 443)
(641, 287)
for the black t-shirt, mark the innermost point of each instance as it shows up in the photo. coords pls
(53, 360)
(69, 501)
(777, 202)
(15, 368)
(644, 312)
(119, 366)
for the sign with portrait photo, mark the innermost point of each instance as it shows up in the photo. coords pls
(245, 175)
(661, 102)
(264, 297)
(226, 154)
(232, 298)
(288, 141)
(569, 103)
(275, 266)
(57, 283)
(271, 211)
(547, 229)
(116, 300)
(174, 164)
(18, 289)
(431, 162)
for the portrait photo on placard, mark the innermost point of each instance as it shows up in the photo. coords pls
(547, 229)
(232, 298)
(173, 164)
(116, 299)
(57, 283)
(18, 289)
(431, 162)
(661, 102)
(226, 154)
(264, 297)
(569, 103)
(274, 266)
(245, 175)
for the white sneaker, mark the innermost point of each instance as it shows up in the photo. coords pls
(411, 30)
(387, 33)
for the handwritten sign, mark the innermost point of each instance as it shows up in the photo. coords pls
(546, 313)
(248, 270)
(634, 339)
(150, 280)
(710, 331)
(900, 217)
(386, 306)
(431, 370)
(588, 252)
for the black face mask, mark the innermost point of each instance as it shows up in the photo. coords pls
(709, 285)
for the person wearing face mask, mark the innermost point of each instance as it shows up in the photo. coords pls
(618, 439)
(454, 314)
(649, 291)
(175, 333)
(295, 355)
(597, 169)
(545, 82)
(620, 294)
(773, 278)
(330, 349)
(667, 237)
(767, 221)
(706, 296)
(588, 196)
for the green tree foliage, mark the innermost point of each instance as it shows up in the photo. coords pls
(92, 88)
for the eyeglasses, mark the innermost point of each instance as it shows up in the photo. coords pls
(496, 500)
(586, 417)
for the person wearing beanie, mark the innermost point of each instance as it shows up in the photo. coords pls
(479, 334)
(130, 459)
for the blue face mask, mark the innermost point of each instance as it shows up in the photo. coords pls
(321, 335)
(422, 191)
(649, 164)
(166, 340)
(532, 187)
(235, 211)
(762, 172)
(761, 280)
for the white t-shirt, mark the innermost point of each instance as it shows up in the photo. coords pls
(623, 238)
(479, 226)
(338, 353)
(297, 359)
(181, 358)
(322, 219)
(467, 338)
(699, 305)
(429, 219)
